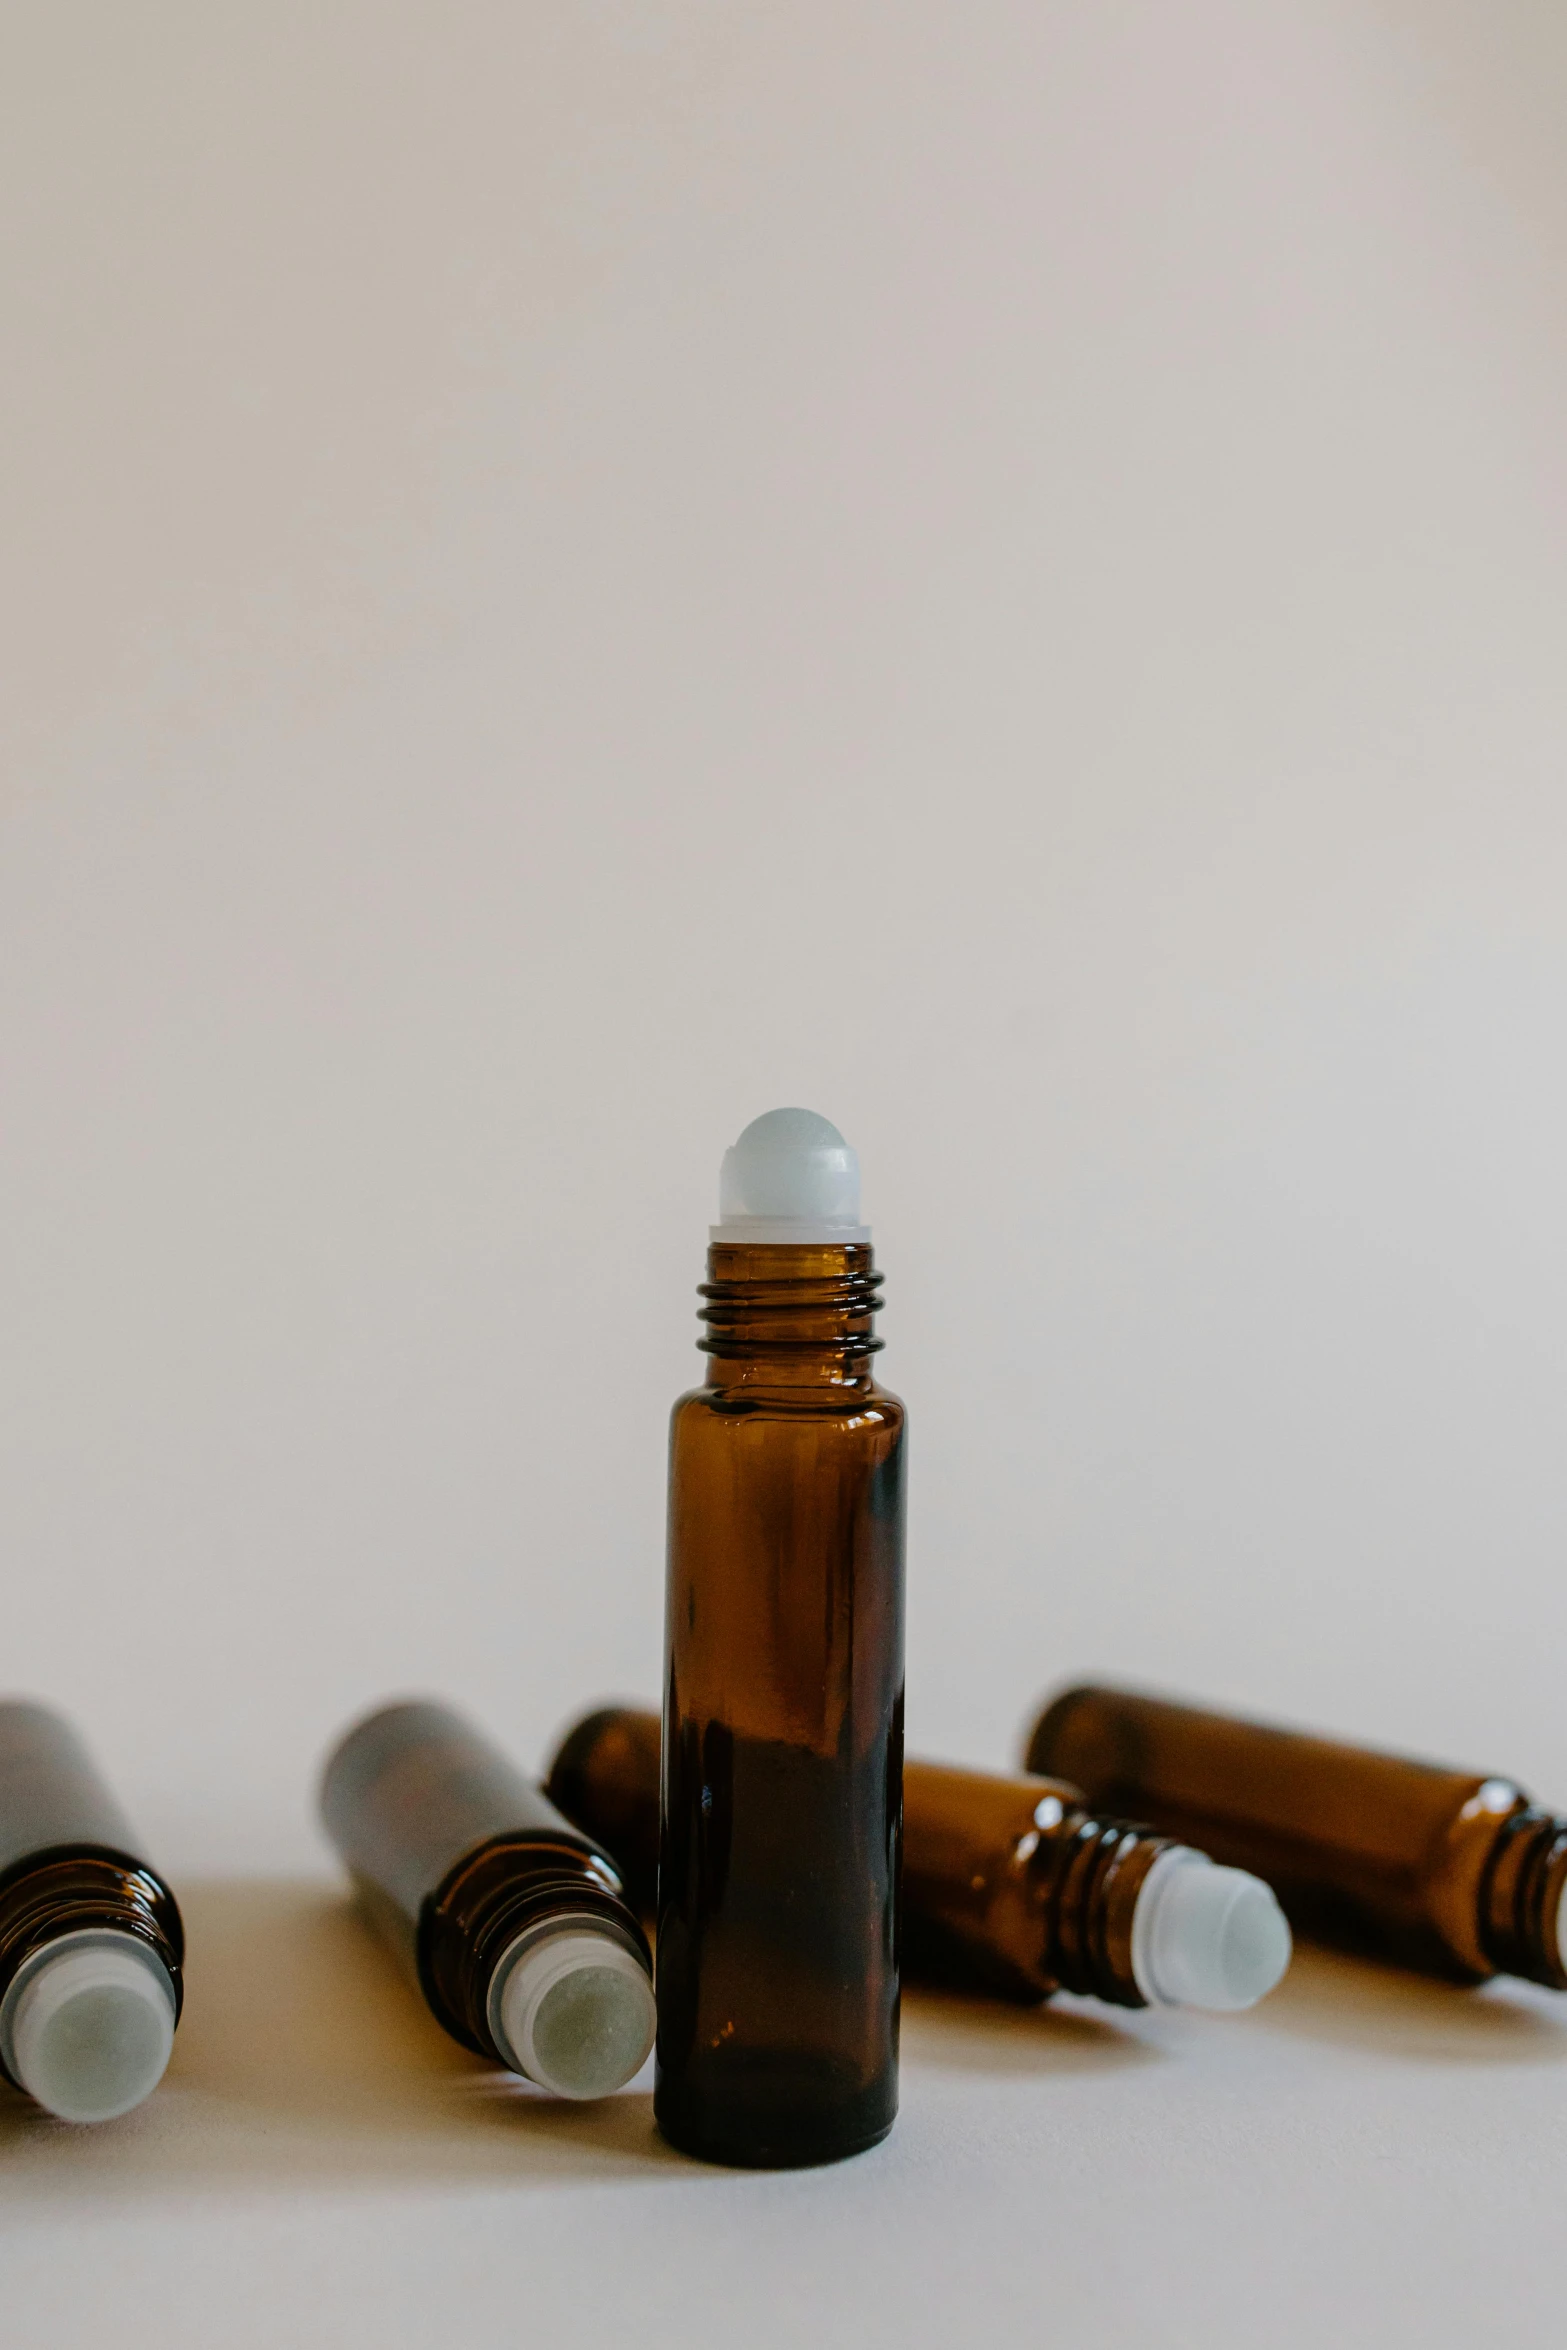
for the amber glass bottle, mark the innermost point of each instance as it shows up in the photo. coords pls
(783, 1744)
(604, 1778)
(1454, 1872)
(91, 1943)
(1010, 1884)
(510, 1920)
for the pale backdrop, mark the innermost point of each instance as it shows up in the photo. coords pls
(576, 571)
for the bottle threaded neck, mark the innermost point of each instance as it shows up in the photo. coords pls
(1091, 1871)
(1522, 1897)
(795, 1306)
(88, 1892)
(494, 1896)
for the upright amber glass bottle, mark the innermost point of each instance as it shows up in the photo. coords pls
(783, 1726)
(1454, 1872)
(1011, 1885)
(509, 1919)
(91, 1944)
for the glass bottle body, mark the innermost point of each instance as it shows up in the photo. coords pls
(782, 1769)
(1452, 1872)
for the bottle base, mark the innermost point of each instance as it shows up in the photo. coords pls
(772, 2154)
(770, 2119)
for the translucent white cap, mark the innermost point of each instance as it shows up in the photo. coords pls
(88, 2025)
(1205, 1936)
(791, 1177)
(573, 2011)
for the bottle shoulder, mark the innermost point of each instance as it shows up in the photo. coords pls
(1459, 1863)
(868, 1407)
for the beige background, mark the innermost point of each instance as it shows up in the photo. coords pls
(572, 572)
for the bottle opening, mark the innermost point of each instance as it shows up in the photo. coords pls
(791, 1179)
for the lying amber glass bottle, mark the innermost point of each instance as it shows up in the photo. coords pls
(91, 1944)
(509, 1919)
(1010, 1884)
(1454, 1872)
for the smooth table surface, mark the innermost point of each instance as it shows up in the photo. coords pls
(1364, 2159)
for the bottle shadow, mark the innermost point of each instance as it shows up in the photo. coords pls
(1354, 2003)
(304, 2054)
(960, 2033)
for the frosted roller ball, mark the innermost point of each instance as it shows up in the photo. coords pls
(790, 1169)
(577, 2014)
(1204, 1936)
(92, 2030)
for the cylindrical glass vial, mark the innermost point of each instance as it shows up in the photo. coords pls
(511, 1921)
(1010, 1884)
(91, 1943)
(1453, 1872)
(783, 1726)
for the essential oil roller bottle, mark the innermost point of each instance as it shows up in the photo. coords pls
(90, 1935)
(783, 1690)
(1453, 1872)
(1011, 1885)
(510, 1920)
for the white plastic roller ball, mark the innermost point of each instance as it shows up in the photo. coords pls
(90, 2029)
(1206, 1936)
(575, 2013)
(791, 1178)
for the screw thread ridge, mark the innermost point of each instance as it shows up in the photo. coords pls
(1522, 1895)
(783, 1301)
(1096, 1868)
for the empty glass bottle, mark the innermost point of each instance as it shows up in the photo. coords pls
(783, 1746)
(1454, 1872)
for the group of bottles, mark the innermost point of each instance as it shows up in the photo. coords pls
(1148, 1854)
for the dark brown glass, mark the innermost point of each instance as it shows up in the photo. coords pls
(783, 1748)
(455, 1854)
(1453, 1872)
(69, 1860)
(1016, 1885)
(605, 1779)
(1010, 1884)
